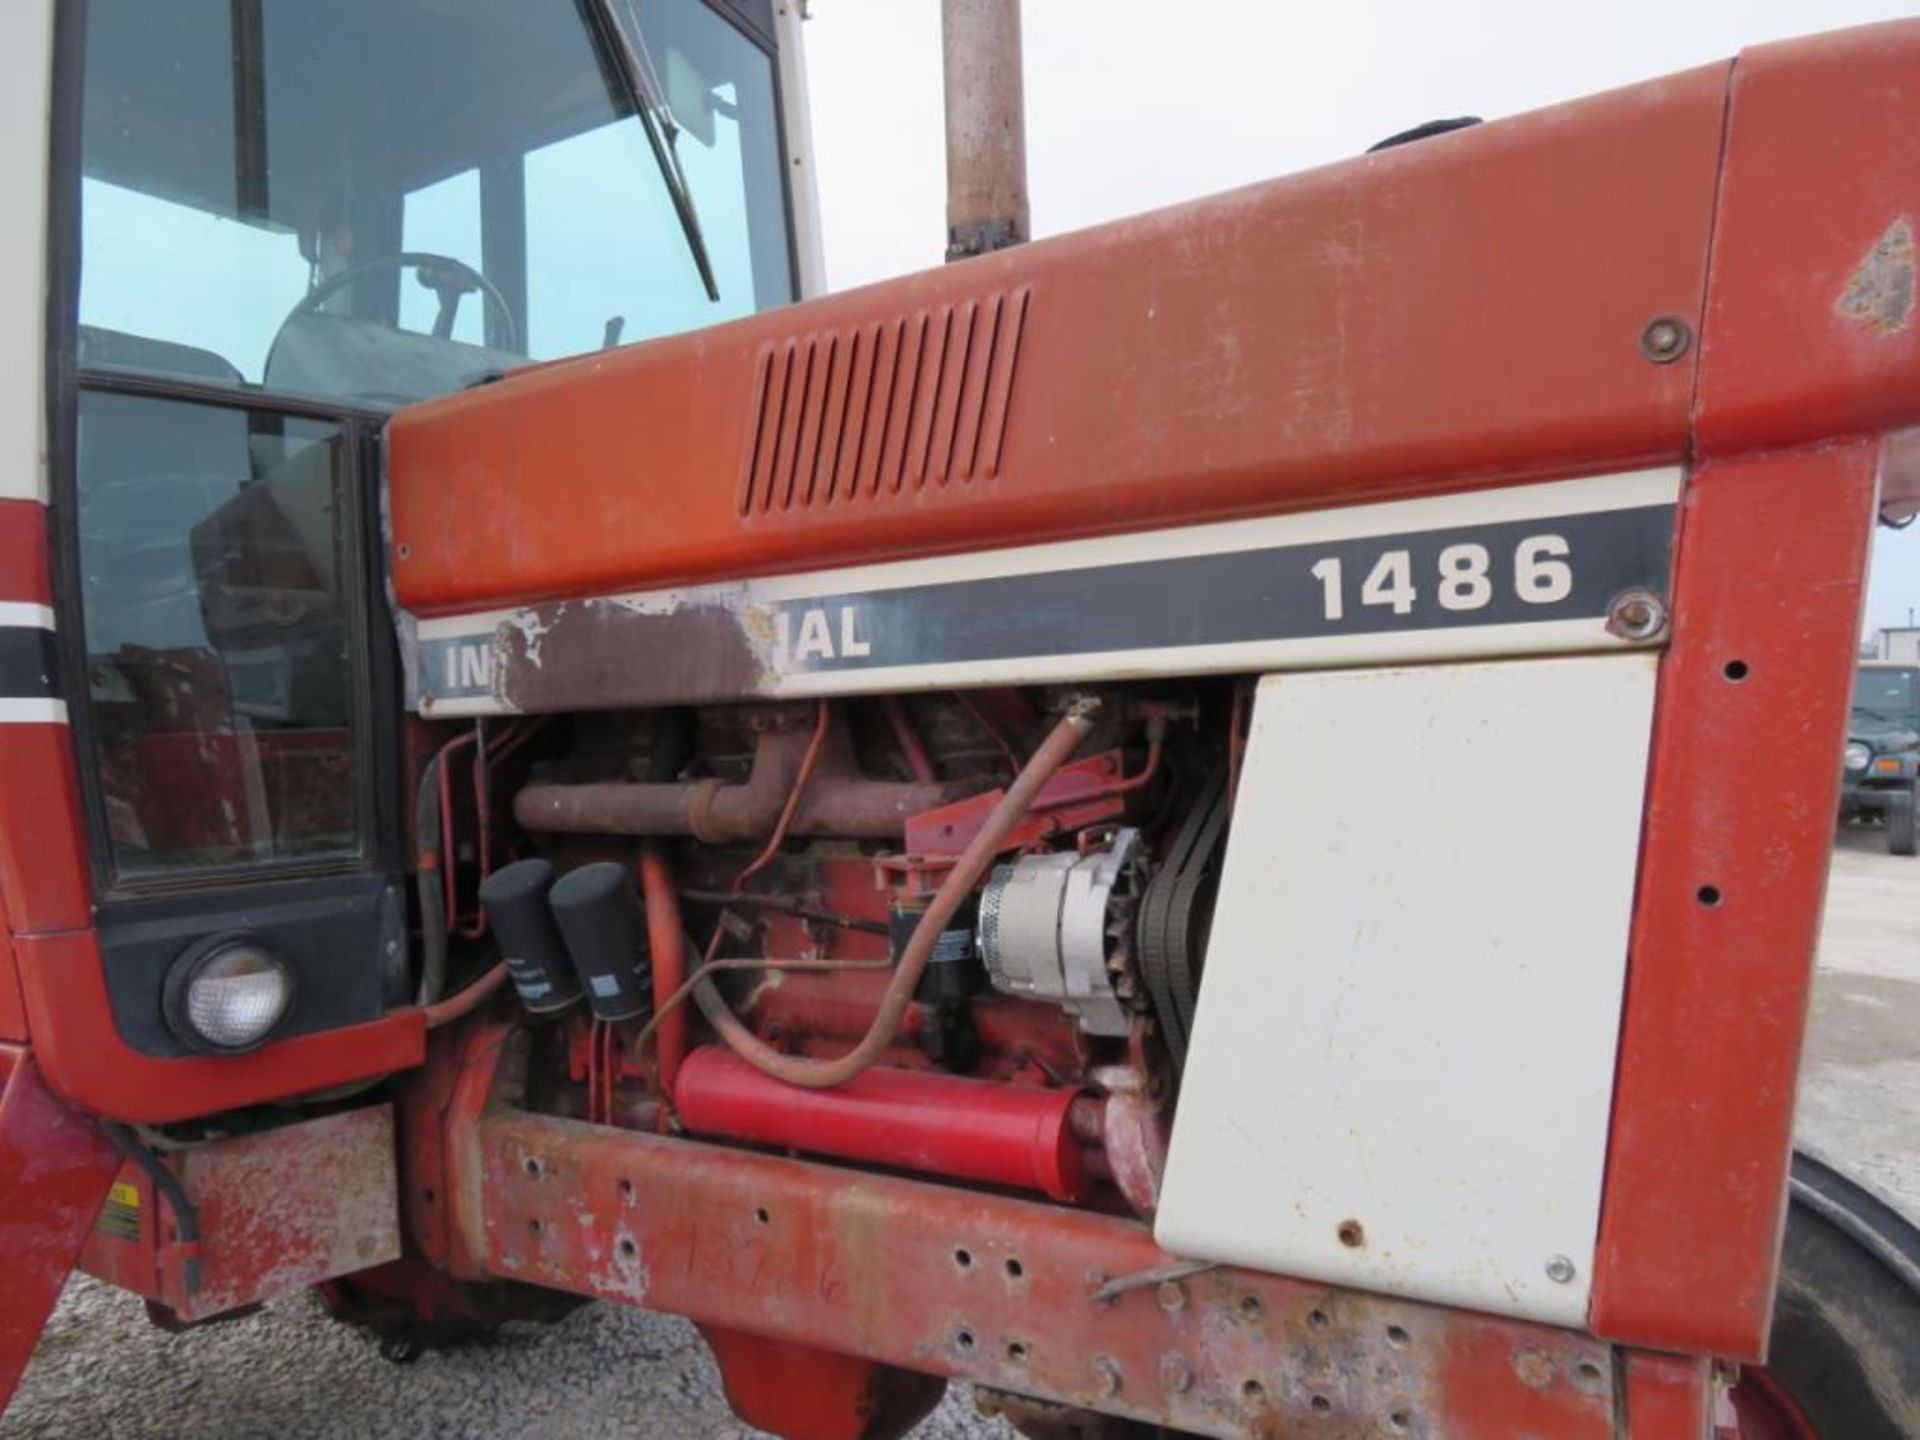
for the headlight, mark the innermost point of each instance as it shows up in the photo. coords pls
(226, 994)
(1858, 755)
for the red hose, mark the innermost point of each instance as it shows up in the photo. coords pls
(667, 940)
(1054, 751)
(466, 1001)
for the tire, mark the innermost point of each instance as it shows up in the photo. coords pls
(1844, 1363)
(1902, 838)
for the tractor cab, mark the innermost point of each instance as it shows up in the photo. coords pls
(276, 223)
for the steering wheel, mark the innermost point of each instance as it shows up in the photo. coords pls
(448, 278)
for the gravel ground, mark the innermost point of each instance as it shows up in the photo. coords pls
(291, 1371)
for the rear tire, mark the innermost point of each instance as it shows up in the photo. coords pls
(1844, 1363)
(1903, 837)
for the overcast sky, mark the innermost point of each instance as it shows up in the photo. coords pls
(1132, 105)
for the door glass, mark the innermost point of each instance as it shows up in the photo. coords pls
(216, 593)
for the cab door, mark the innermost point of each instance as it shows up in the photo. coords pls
(223, 646)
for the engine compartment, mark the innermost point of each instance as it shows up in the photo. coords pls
(692, 898)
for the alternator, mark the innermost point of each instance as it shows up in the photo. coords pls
(1058, 927)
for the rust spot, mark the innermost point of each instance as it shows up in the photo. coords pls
(1534, 1368)
(1880, 291)
(600, 654)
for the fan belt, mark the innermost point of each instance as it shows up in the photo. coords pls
(1176, 912)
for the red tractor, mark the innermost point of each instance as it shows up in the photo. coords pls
(1158, 821)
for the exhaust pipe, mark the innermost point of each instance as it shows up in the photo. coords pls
(986, 126)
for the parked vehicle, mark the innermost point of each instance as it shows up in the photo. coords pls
(1881, 778)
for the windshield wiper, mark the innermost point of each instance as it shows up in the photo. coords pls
(638, 75)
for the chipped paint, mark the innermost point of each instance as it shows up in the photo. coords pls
(949, 1281)
(532, 627)
(1879, 293)
(279, 1210)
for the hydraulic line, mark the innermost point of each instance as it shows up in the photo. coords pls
(465, 1002)
(1053, 752)
(433, 915)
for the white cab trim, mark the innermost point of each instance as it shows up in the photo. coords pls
(26, 97)
(796, 119)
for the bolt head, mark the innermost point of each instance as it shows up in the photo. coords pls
(1637, 615)
(1171, 1295)
(1560, 1270)
(1107, 1373)
(1175, 1374)
(1665, 339)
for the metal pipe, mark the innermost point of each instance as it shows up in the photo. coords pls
(668, 944)
(986, 126)
(1012, 1135)
(839, 800)
(909, 741)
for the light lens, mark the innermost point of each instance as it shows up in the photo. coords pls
(1857, 756)
(1887, 765)
(235, 996)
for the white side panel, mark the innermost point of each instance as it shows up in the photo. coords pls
(1403, 1058)
(26, 79)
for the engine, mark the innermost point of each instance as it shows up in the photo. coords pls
(947, 932)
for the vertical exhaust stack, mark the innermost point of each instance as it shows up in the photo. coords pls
(986, 126)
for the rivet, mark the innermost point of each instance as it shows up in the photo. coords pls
(1560, 1270)
(1171, 1294)
(1665, 339)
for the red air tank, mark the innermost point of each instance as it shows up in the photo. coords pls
(997, 1134)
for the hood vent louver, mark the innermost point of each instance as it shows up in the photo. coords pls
(884, 411)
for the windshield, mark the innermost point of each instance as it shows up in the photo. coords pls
(380, 200)
(1887, 694)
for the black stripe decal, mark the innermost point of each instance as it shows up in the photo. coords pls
(606, 652)
(29, 668)
(1242, 596)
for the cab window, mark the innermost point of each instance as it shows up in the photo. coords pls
(379, 202)
(215, 569)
